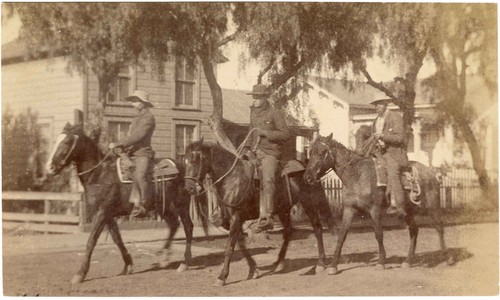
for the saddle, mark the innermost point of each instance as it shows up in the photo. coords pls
(409, 178)
(164, 169)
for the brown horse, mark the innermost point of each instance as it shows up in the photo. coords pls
(362, 195)
(107, 197)
(234, 183)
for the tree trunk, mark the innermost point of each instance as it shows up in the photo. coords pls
(475, 151)
(215, 120)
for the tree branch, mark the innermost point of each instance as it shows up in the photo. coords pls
(283, 78)
(265, 70)
(228, 38)
(376, 85)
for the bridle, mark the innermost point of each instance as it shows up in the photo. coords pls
(70, 152)
(198, 179)
(328, 153)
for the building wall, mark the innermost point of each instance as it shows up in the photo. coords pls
(162, 95)
(48, 88)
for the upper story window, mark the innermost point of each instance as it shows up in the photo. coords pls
(120, 88)
(186, 83)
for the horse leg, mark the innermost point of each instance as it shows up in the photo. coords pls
(376, 213)
(234, 232)
(313, 216)
(188, 230)
(252, 273)
(348, 215)
(284, 216)
(413, 230)
(100, 221)
(117, 238)
(173, 223)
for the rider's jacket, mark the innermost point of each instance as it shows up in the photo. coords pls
(394, 136)
(138, 142)
(272, 122)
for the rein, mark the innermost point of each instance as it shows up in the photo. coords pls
(237, 157)
(341, 168)
(97, 165)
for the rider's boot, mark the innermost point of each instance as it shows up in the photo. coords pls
(397, 205)
(266, 216)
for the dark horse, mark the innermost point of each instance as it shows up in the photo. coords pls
(107, 197)
(235, 186)
(361, 194)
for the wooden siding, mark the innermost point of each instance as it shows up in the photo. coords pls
(162, 95)
(50, 91)
(45, 86)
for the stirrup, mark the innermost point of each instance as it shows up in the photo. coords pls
(265, 223)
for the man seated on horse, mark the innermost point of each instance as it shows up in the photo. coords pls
(263, 146)
(389, 133)
(137, 145)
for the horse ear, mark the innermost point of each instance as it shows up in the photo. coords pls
(67, 128)
(201, 140)
(330, 136)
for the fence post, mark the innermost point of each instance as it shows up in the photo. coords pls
(448, 197)
(46, 211)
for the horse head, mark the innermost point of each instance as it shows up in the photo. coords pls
(65, 148)
(198, 162)
(320, 154)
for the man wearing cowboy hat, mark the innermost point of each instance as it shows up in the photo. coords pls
(389, 131)
(138, 147)
(269, 132)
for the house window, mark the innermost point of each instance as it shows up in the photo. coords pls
(186, 74)
(185, 133)
(117, 131)
(120, 88)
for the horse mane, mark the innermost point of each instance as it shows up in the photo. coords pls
(339, 146)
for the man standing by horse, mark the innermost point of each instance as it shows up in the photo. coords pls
(137, 145)
(388, 130)
(264, 147)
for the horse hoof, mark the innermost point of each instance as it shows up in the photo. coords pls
(255, 274)
(219, 282)
(130, 270)
(380, 267)
(182, 267)
(332, 271)
(320, 269)
(405, 265)
(77, 279)
(279, 267)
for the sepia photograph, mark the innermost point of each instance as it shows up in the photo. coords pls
(249, 149)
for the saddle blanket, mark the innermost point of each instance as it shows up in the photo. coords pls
(163, 170)
(408, 179)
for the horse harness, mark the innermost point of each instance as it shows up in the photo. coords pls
(341, 168)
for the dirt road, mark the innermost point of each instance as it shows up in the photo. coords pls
(475, 247)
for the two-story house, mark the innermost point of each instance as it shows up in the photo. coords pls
(181, 98)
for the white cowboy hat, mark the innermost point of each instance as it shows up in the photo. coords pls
(139, 95)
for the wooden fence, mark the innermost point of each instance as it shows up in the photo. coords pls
(459, 188)
(46, 221)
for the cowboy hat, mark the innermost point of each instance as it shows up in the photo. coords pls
(139, 95)
(259, 89)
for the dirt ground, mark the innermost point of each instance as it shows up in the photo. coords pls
(475, 248)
